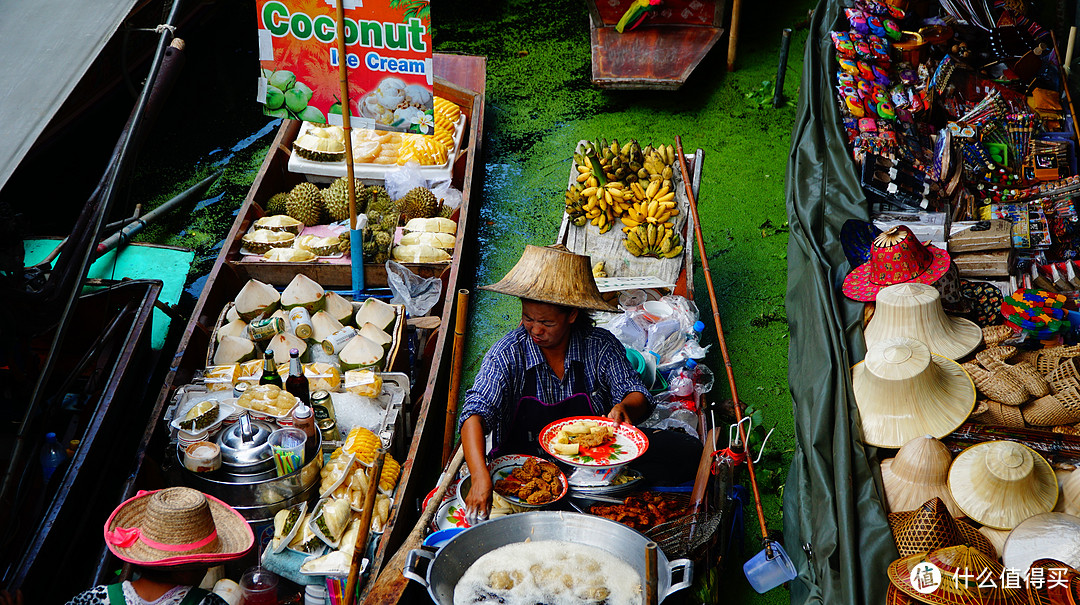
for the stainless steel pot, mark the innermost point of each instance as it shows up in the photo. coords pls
(244, 447)
(441, 571)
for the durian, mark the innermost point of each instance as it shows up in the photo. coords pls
(344, 245)
(379, 199)
(202, 415)
(280, 222)
(419, 202)
(445, 211)
(276, 203)
(336, 199)
(289, 255)
(305, 203)
(261, 240)
(322, 246)
(319, 149)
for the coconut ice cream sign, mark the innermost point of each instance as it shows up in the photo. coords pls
(388, 55)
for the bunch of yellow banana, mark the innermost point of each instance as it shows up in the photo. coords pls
(598, 270)
(606, 203)
(658, 164)
(651, 239)
(654, 204)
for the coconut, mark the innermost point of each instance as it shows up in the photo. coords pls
(233, 349)
(339, 308)
(323, 325)
(360, 353)
(231, 314)
(256, 298)
(303, 291)
(371, 332)
(375, 311)
(236, 327)
(281, 343)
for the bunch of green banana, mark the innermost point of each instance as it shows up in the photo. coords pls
(574, 203)
(651, 239)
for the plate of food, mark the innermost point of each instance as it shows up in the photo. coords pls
(527, 481)
(593, 441)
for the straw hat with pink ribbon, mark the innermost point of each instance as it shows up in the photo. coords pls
(176, 526)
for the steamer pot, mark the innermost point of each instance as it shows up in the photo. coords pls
(441, 571)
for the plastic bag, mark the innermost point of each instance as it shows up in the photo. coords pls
(400, 181)
(450, 196)
(628, 331)
(418, 294)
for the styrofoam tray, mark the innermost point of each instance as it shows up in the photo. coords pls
(319, 230)
(327, 171)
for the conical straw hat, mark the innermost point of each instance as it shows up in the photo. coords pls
(1044, 536)
(932, 527)
(959, 567)
(553, 274)
(919, 472)
(1055, 583)
(1070, 495)
(1001, 483)
(903, 391)
(914, 310)
(996, 537)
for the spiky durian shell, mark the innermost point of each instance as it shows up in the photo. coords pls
(419, 202)
(336, 198)
(305, 204)
(276, 203)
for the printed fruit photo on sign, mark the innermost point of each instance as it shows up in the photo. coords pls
(388, 56)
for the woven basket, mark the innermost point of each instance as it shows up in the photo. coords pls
(931, 527)
(1065, 369)
(1034, 382)
(1044, 364)
(995, 413)
(999, 386)
(1003, 353)
(995, 335)
(1066, 429)
(1063, 351)
(1053, 410)
(1064, 384)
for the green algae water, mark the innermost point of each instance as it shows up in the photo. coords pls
(540, 103)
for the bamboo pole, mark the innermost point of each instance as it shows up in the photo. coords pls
(356, 250)
(456, 360)
(360, 548)
(733, 34)
(723, 344)
(1068, 95)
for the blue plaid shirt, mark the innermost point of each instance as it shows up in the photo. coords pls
(502, 377)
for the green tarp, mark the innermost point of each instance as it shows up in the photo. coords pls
(832, 501)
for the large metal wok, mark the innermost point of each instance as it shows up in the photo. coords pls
(441, 571)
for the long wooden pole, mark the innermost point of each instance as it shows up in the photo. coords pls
(460, 320)
(723, 344)
(352, 581)
(346, 111)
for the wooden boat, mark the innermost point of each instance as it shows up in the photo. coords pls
(660, 53)
(110, 331)
(462, 79)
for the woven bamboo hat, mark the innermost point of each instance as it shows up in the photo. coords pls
(903, 392)
(919, 472)
(1001, 483)
(957, 567)
(1044, 536)
(914, 310)
(175, 526)
(896, 257)
(932, 527)
(1052, 582)
(555, 275)
(997, 537)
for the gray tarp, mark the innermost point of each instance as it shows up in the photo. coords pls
(832, 500)
(46, 46)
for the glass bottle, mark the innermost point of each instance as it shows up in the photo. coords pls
(269, 373)
(297, 382)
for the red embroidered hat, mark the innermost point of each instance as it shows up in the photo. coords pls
(896, 257)
(176, 526)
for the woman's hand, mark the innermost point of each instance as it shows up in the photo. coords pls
(478, 501)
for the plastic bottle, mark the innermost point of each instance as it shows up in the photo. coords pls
(681, 381)
(304, 419)
(52, 456)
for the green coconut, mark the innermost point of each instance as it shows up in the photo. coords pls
(371, 332)
(233, 349)
(256, 298)
(303, 291)
(360, 353)
(281, 343)
(375, 311)
(323, 325)
(231, 314)
(339, 308)
(236, 327)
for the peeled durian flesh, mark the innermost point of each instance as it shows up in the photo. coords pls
(419, 253)
(202, 415)
(289, 255)
(428, 238)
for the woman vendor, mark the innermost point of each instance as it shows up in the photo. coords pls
(553, 366)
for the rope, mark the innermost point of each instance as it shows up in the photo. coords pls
(737, 458)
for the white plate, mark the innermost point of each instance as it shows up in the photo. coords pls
(225, 407)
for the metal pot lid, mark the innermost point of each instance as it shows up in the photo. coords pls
(245, 442)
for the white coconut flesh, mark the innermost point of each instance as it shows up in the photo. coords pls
(339, 308)
(232, 314)
(256, 298)
(375, 311)
(360, 353)
(233, 349)
(323, 325)
(281, 344)
(236, 327)
(303, 291)
(371, 332)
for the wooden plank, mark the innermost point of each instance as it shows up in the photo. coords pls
(660, 57)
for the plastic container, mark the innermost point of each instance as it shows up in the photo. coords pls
(766, 573)
(52, 456)
(259, 587)
(316, 594)
(288, 449)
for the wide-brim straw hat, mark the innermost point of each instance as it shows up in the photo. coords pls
(553, 274)
(1055, 584)
(1043, 536)
(1001, 483)
(914, 310)
(903, 391)
(176, 526)
(918, 473)
(931, 527)
(958, 566)
(896, 257)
